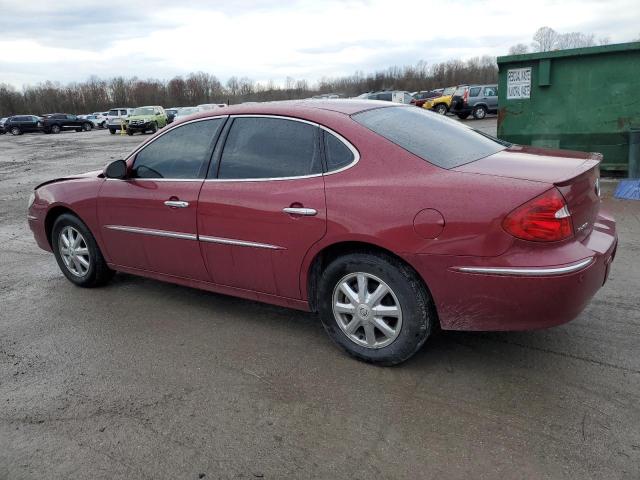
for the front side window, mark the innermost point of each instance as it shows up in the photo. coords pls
(181, 153)
(113, 113)
(264, 147)
(490, 91)
(438, 140)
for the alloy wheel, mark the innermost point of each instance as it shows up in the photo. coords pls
(367, 310)
(74, 251)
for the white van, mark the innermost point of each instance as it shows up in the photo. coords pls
(116, 116)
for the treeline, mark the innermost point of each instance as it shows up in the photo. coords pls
(99, 95)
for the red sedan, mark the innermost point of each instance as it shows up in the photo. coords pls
(386, 219)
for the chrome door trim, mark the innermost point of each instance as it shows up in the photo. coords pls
(240, 243)
(354, 151)
(153, 232)
(307, 212)
(529, 271)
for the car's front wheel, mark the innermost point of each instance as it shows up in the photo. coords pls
(87, 126)
(77, 252)
(375, 307)
(15, 131)
(112, 131)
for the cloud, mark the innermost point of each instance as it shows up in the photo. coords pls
(267, 39)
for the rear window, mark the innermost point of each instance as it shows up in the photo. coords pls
(432, 137)
(460, 91)
(474, 91)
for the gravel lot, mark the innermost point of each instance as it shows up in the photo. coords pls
(142, 379)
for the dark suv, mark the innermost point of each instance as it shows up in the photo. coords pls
(19, 124)
(56, 122)
(476, 100)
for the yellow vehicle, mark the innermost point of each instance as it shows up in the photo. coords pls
(442, 103)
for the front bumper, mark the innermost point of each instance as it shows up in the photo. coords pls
(480, 293)
(139, 126)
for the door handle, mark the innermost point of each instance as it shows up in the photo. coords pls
(176, 204)
(307, 212)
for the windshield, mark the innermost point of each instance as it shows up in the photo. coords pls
(143, 111)
(439, 140)
(449, 91)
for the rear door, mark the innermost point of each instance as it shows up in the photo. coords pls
(148, 220)
(263, 205)
(490, 95)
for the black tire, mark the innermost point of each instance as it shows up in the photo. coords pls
(479, 112)
(87, 127)
(418, 312)
(154, 128)
(129, 132)
(78, 129)
(112, 131)
(462, 116)
(441, 109)
(16, 131)
(55, 129)
(98, 272)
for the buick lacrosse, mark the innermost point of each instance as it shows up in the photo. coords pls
(387, 220)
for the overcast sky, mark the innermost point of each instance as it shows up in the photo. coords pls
(266, 39)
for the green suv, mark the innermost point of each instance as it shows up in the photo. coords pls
(146, 119)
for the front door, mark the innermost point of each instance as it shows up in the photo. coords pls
(263, 207)
(148, 220)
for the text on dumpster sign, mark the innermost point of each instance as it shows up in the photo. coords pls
(518, 83)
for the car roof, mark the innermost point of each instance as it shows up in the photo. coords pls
(298, 107)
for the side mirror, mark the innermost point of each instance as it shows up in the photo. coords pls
(116, 169)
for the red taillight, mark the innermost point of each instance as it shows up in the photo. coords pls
(544, 219)
(465, 97)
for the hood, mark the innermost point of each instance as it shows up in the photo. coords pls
(534, 163)
(92, 174)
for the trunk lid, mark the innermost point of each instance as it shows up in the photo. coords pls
(575, 174)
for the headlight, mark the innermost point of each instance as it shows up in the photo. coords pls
(32, 198)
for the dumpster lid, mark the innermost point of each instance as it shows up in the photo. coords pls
(571, 52)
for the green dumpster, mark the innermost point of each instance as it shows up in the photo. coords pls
(580, 99)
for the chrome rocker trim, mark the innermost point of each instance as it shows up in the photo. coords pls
(529, 271)
(240, 243)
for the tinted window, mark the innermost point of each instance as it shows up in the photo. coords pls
(337, 154)
(180, 153)
(490, 91)
(474, 91)
(435, 138)
(113, 113)
(384, 96)
(269, 148)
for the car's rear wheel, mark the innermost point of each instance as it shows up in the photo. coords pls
(479, 112)
(55, 128)
(375, 307)
(112, 131)
(86, 127)
(77, 252)
(441, 108)
(129, 132)
(15, 131)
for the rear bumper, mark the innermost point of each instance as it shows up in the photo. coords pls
(480, 293)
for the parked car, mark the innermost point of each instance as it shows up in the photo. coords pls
(396, 96)
(185, 112)
(211, 106)
(475, 99)
(422, 96)
(146, 119)
(19, 124)
(171, 113)
(298, 205)
(101, 119)
(116, 118)
(2, 130)
(442, 103)
(57, 122)
(96, 120)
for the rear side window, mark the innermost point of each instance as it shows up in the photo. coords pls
(432, 137)
(384, 96)
(336, 153)
(181, 153)
(474, 91)
(261, 147)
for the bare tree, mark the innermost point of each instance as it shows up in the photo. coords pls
(518, 49)
(574, 40)
(544, 40)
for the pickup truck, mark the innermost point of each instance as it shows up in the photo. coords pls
(57, 122)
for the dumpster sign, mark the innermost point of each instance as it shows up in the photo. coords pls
(518, 83)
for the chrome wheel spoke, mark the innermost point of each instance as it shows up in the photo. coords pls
(345, 308)
(362, 288)
(375, 298)
(386, 330)
(370, 334)
(84, 251)
(83, 261)
(352, 326)
(386, 311)
(349, 293)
